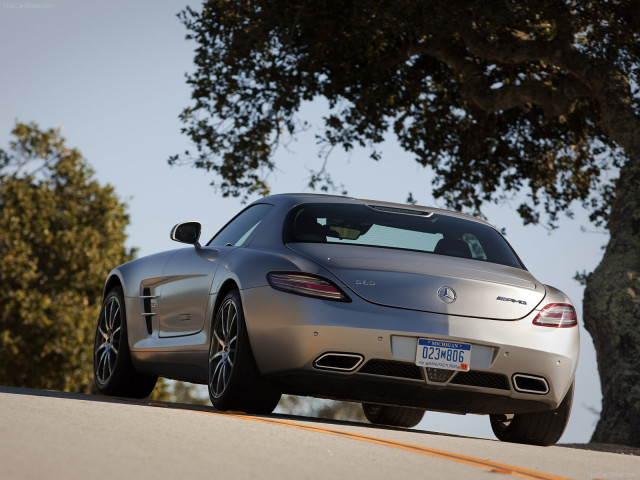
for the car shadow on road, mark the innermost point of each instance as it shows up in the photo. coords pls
(603, 447)
(210, 409)
(598, 447)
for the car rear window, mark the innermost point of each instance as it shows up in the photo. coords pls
(398, 228)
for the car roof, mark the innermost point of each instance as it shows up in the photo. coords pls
(293, 199)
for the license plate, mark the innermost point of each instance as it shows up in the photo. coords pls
(443, 354)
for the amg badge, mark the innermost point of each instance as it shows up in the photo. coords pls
(512, 300)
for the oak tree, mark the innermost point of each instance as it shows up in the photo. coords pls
(534, 97)
(61, 232)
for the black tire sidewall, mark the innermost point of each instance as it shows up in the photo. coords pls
(395, 416)
(539, 428)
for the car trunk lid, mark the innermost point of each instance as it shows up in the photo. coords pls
(429, 282)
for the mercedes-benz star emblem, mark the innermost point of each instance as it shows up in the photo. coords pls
(447, 294)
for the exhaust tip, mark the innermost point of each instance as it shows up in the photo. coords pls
(341, 362)
(530, 384)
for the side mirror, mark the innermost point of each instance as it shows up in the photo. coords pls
(187, 232)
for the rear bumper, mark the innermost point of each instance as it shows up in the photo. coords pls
(288, 333)
(391, 391)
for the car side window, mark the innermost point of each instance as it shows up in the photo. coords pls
(236, 232)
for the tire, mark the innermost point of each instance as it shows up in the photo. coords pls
(539, 428)
(113, 371)
(393, 416)
(235, 382)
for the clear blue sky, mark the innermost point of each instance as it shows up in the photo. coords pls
(111, 75)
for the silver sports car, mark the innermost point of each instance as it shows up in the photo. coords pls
(400, 307)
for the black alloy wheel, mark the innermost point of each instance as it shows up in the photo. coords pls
(113, 370)
(235, 382)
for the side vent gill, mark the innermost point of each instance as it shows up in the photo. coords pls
(146, 308)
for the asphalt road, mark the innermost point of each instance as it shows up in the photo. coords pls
(52, 435)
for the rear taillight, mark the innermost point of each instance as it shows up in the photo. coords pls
(557, 315)
(307, 284)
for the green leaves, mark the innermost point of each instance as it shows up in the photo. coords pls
(61, 232)
(498, 99)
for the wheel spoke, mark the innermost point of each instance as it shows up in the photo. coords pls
(215, 370)
(230, 323)
(215, 334)
(102, 333)
(98, 371)
(219, 379)
(111, 360)
(228, 319)
(223, 322)
(217, 355)
(223, 376)
(109, 316)
(214, 377)
(105, 315)
(102, 365)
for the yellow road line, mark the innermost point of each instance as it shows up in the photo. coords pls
(443, 454)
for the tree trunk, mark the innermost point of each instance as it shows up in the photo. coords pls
(612, 315)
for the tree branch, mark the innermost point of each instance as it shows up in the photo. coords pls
(585, 77)
(555, 99)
